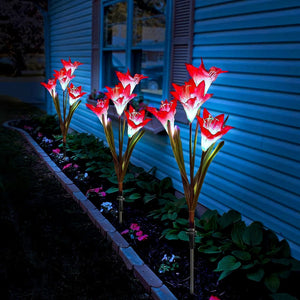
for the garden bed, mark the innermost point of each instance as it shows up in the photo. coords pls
(152, 247)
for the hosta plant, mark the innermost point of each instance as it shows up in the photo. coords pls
(71, 96)
(252, 251)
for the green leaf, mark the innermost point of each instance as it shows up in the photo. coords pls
(229, 218)
(224, 274)
(283, 296)
(241, 255)
(148, 197)
(256, 275)
(182, 235)
(253, 234)
(272, 282)
(112, 190)
(228, 263)
(134, 196)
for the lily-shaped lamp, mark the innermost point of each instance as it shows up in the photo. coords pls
(121, 95)
(192, 95)
(70, 92)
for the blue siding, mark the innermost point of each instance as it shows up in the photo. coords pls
(257, 41)
(257, 173)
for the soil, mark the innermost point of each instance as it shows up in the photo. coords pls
(57, 205)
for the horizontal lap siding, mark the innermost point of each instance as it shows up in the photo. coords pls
(257, 172)
(70, 26)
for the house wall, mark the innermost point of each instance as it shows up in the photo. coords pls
(257, 41)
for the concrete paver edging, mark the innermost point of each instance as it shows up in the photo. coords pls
(152, 284)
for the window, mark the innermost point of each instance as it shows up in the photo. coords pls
(152, 37)
(134, 36)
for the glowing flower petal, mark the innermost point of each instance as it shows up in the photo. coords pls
(51, 86)
(64, 77)
(74, 93)
(68, 65)
(100, 110)
(136, 120)
(212, 129)
(127, 79)
(166, 113)
(201, 74)
(191, 97)
(120, 96)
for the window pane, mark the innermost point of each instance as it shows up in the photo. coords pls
(115, 18)
(149, 63)
(149, 22)
(114, 61)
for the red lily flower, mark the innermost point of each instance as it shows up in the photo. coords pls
(100, 110)
(127, 79)
(120, 96)
(63, 77)
(136, 120)
(166, 113)
(201, 74)
(191, 97)
(71, 66)
(51, 87)
(212, 129)
(74, 93)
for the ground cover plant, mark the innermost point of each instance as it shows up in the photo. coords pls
(224, 243)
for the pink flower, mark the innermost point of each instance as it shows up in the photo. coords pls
(214, 298)
(143, 237)
(120, 96)
(51, 87)
(95, 190)
(136, 120)
(191, 97)
(127, 79)
(201, 74)
(134, 227)
(212, 129)
(125, 231)
(139, 233)
(56, 151)
(102, 194)
(75, 166)
(100, 110)
(64, 77)
(165, 114)
(74, 93)
(68, 65)
(67, 166)
(40, 134)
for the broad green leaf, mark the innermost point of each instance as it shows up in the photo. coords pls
(256, 275)
(283, 296)
(182, 235)
(229, 218)
(241, 255)
(224, 274)
(253, 234)
(112, 190)
(134, 196)
(228, 263)
(272, 282)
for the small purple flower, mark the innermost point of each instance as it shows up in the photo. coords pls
(67, 166)
(125, 231)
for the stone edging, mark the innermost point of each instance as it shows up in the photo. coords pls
(152, 284)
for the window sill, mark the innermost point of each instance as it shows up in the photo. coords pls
(154, 126)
